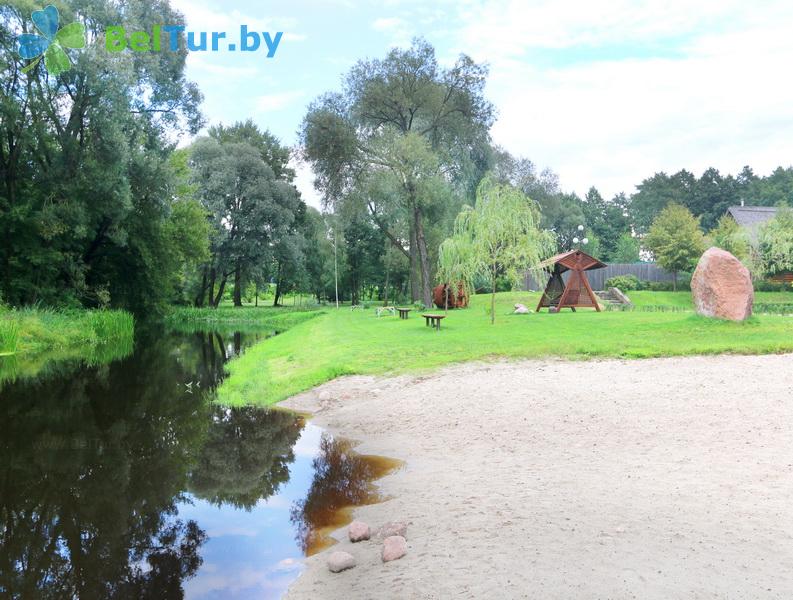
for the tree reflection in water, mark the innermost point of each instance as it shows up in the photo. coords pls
(342, 480)
(246, 456)
(95, 461)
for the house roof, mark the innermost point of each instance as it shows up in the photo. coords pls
(568, 260)
(752, 216)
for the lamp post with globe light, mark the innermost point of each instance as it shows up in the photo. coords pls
(583, 241)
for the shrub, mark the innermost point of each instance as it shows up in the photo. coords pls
(763, 285)
(625, 283)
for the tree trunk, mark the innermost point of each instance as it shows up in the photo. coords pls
(199, 299)
(385, 291)
(257, 295)
(414, 288)
(278, 289)
(238, 285)
(424, 262)
(211, 291)
(674, 281)
(221, 289)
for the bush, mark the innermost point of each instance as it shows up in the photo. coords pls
(763, 285)
(625, 283)
(683, 284)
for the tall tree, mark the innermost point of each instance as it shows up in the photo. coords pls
(253, 213)
(86, 186)
(406, 117)
(676, 240)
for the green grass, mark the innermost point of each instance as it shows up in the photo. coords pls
(246, 318)
(30, 330)
(356, 342)
(682, 300)
(31, 338)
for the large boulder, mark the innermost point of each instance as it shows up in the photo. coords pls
(722, 286)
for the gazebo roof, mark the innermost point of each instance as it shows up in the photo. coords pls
(568, 260)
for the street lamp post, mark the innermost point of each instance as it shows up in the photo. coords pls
(584, 241)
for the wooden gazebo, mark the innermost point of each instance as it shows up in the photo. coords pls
(576, 293)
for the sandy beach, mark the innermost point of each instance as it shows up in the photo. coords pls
(663, 478)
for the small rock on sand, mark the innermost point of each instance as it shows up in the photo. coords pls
(393, 528)
(358, 531)
(324, 396)
(340, 561)
(394, 547)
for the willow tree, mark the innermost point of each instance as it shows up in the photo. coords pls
(499, 236)
(455, 264)
(776, 243)
(408, 119)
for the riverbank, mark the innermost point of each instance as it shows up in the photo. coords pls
(31, 339)
(655, 479)
(345, 342)
(32, 331)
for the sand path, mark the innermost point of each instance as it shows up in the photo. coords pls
(667, 478)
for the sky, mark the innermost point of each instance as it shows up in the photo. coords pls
(603, 93)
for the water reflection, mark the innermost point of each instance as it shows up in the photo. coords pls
(246, 455)
(95, 461)
(343, 479)
(125, 480)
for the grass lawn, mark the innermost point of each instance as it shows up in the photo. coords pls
(188, 319)
(30, 331)
(356, 342)
(647, 299)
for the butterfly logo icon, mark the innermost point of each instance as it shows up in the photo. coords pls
(52, 43)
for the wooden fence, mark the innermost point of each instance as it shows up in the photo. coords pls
(597, 278)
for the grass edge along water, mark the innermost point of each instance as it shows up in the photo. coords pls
(347, 342)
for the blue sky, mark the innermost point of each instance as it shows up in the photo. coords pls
(603, 93)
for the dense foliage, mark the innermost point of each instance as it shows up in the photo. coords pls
(88, 214)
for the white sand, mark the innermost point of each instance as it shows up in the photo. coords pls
(668, 478)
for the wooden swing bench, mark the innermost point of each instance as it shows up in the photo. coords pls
(576, 293)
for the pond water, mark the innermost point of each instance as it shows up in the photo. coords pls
(125, 480)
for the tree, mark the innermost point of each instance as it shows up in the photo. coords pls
(86, 186)
(730, 236)
(676, 240)
(253, 216)
(776, 243)
(499, 236)
(606, 221)
(626, 250)
(422, 126)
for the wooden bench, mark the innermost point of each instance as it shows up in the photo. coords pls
(385, 309)
(403, 312)
(434, 320)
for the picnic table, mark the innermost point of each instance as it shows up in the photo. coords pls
(434, 320)
(383, 309)
(403, 312)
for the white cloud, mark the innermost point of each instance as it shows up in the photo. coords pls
(721, 98)
(387, 24)
(304, 182)
(273, 102)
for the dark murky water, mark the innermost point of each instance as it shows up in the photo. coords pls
(125, 480)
